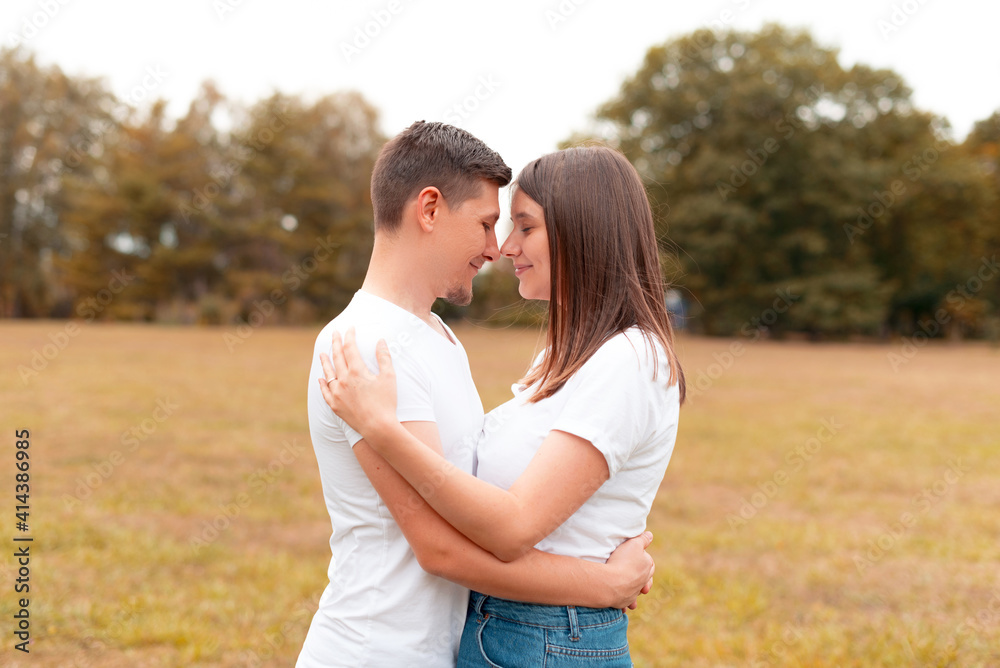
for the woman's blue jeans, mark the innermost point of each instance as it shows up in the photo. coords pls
(507, 634)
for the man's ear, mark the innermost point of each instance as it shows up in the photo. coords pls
(430, 204)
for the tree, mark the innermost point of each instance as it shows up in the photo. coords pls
(933, 241)
(49, 124)
(271, 215)
(983, 148)
(131, 217)
(776, 166)
(300, 210)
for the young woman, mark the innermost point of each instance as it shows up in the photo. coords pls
(572, 463)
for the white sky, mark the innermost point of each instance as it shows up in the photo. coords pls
(545, 80)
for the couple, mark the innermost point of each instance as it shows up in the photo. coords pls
(535, 512)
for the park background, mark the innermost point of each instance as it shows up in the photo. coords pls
(173, 237)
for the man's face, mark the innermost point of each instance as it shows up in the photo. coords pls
(468, 241)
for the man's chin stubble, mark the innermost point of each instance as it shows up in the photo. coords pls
(459, 296)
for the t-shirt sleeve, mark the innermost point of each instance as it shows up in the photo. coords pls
(607, 402)
(414, 396)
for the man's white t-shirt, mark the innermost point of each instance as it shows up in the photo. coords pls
(381, 608)
(614, 402)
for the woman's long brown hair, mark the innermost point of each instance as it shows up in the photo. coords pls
(605, 264)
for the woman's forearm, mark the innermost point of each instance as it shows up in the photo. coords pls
(539, 577)
(491, 517)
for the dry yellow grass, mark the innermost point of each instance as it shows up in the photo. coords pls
(840, 558)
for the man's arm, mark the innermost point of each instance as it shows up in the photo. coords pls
(536, 577)
(562, 475)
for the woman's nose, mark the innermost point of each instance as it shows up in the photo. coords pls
(509, 249)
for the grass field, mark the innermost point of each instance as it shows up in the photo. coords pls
(821, 508)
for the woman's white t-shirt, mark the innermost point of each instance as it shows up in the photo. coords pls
(614, 402)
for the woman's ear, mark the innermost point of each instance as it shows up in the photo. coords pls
(430, 204)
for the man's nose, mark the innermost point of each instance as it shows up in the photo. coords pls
(492, 252)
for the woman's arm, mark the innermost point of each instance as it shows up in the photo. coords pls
(537, 577)
(563, 474)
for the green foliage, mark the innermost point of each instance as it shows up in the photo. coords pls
(47, 123)
(790, 194)
(302, 202)
(229, 213)
(982, 147)
(781, 170)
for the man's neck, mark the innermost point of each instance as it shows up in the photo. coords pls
(393, 277)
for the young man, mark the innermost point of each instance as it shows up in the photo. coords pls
(399, 574)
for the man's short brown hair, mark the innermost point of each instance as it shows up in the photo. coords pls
(431, 154)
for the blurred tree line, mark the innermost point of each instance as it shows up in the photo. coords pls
(800, 196)
(107, 211)
(776, 175)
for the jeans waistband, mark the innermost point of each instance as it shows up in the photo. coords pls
(555, 616)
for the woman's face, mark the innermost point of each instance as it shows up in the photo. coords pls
(528, 247)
